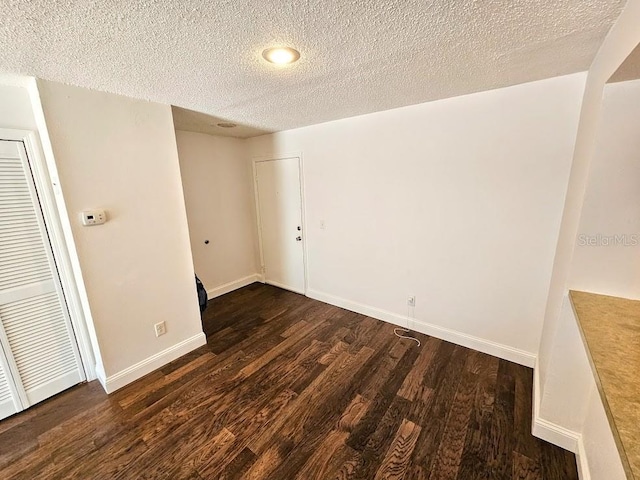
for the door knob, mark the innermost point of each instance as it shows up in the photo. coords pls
(298, 239)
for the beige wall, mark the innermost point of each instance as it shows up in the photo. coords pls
(218, 192)
(21, 109)
(120, 154)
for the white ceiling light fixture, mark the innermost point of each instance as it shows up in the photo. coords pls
(281, 55)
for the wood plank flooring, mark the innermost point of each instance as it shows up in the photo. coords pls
(291, 388)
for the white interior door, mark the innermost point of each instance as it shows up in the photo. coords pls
(279, 199)
(38, 354)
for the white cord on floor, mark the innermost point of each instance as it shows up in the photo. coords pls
(395, 330)
(410, 315)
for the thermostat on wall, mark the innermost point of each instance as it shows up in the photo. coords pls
(93, 217)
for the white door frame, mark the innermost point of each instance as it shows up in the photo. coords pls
(61, 255)
(270, 158)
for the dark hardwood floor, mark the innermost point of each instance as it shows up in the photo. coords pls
(291, 388)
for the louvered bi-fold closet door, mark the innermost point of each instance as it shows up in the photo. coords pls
(9, 399)
(39, 356)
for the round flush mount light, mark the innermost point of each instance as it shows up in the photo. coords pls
(226, 125)
(281, 55)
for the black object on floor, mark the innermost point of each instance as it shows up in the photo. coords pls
(202, 295)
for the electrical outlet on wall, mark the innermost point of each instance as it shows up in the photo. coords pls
(161, 328)
(411, 301)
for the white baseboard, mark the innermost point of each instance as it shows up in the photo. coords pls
(101, 376)
(486, 346)
(284, 287)
(551, 432)
(231, 286)
(581, 457)
(148, 365)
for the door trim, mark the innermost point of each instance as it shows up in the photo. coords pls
(70, 293)
(254, 172)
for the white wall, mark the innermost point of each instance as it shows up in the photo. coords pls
(623, 37)
(15, 111)
(612, 201)
(599, 451)
(570, 378)
(571, 401)
(557, 386)
(457, 202)
(120, 154)
(220, 208)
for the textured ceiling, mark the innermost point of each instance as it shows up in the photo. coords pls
(357, 56)
(191, 121)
